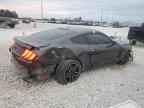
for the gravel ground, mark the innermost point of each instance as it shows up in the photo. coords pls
(98, 88)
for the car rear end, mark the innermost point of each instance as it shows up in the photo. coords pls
(38, 53)
(34, 51)
(25, 56)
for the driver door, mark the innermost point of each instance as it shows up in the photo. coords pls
(102, 49)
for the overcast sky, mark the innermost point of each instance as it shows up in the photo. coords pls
(122, 10)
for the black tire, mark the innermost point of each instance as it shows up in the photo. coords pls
(125, 59)
(68, 71)
(133, 42)
(12, 26)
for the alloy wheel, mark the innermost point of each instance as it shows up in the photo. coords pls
(72, 72)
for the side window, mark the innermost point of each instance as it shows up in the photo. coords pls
(80, 39)
(98, 38)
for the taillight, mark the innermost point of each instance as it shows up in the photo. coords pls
(28, 54)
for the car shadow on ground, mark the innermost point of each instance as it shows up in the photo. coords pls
(51, 78)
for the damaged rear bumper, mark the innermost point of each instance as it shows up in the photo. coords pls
(34, 68)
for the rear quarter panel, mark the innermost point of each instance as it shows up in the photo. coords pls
(57, 52)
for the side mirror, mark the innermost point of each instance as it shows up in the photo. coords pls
(113, 42)
(112, 37)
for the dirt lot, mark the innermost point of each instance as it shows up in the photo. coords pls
(99, 88)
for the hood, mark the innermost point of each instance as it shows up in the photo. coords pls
(121, 41)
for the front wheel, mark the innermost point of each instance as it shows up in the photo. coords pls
(68, 71)
(133, 42)
(128, 57)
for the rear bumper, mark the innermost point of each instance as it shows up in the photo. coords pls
(34, 68)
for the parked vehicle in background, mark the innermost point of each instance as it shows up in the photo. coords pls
(96, 23)
(77, 23)
(26, 20)
(105, 25)
(136, 34)
(66, 52)
(7, 22)
(116, 25)
(52, 20)
(84, 22)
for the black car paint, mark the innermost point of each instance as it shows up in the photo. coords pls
(101, 54)
(52, 52)
(136, 33)
(142, 25)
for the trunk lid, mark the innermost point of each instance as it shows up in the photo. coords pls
(22, 43)
(33, 42)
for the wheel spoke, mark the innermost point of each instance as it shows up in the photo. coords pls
(67, 72)
(76, 72)
(71, 78)
(75, 68)
(70, 69)
(67, 76)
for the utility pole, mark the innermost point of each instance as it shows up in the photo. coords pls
(112, 19)
(41, 9)
(102, 16)
(107, 17)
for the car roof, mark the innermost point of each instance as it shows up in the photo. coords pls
(54, 35)
(79, 30)
(57, 33)
(76, 29)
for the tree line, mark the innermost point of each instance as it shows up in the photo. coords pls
(8, 13)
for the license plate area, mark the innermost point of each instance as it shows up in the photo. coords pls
(16, 61)
(17, 50)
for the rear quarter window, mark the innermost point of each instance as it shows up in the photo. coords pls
(98, 38)
(80, 39)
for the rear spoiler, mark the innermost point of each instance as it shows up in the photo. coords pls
(16, 39)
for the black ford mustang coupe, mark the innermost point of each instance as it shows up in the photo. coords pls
(66, 52)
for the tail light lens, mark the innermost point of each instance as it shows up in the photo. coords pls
(28, 55)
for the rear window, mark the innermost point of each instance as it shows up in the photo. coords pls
(51, 34)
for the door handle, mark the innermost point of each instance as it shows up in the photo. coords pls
(110, 45)
(95, 50)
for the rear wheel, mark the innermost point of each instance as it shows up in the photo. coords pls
(68, 71)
